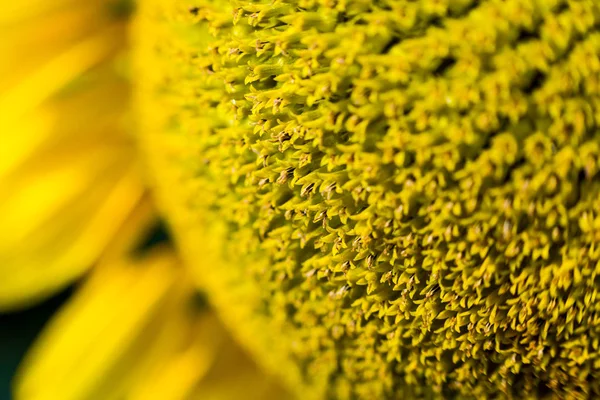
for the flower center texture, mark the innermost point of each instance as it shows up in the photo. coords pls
(386, 199)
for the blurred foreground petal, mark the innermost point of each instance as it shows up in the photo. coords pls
(134, 331)
(68, 178)
(124, 317)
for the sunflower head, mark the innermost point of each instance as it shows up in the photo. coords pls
(386, 197)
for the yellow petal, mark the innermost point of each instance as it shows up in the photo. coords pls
(235, 375)
(20, 103)
(123, 321)
(212, 367)
(178, 376)
(68, 177)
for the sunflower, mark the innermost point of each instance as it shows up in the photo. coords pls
(75, 212)
(375, 199)
(386, 198)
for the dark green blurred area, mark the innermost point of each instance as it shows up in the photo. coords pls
(121, 9)
(17, 331)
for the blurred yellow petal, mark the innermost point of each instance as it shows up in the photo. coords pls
(212, 367)
(49, 78)
(235, 375)
(20, 10)
(54, 35)
(177, 377)
(68, 174)
(133, 331)
(39, 57)
(124, 317)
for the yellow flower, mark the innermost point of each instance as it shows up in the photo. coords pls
(74, 208)
(380, 199)
(386, 199)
